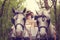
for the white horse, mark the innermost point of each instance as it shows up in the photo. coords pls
(45, 26)
(18, 24)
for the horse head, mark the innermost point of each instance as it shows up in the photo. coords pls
(18, 21)
(42, 23)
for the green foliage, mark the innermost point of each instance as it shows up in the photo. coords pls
(5, 19)
(58, 18)
(52, 16)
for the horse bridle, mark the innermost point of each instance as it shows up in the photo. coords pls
(43, 18)
(19, 24)
(13, 21)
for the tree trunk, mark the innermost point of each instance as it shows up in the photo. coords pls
(1, 13)
(2, 8)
